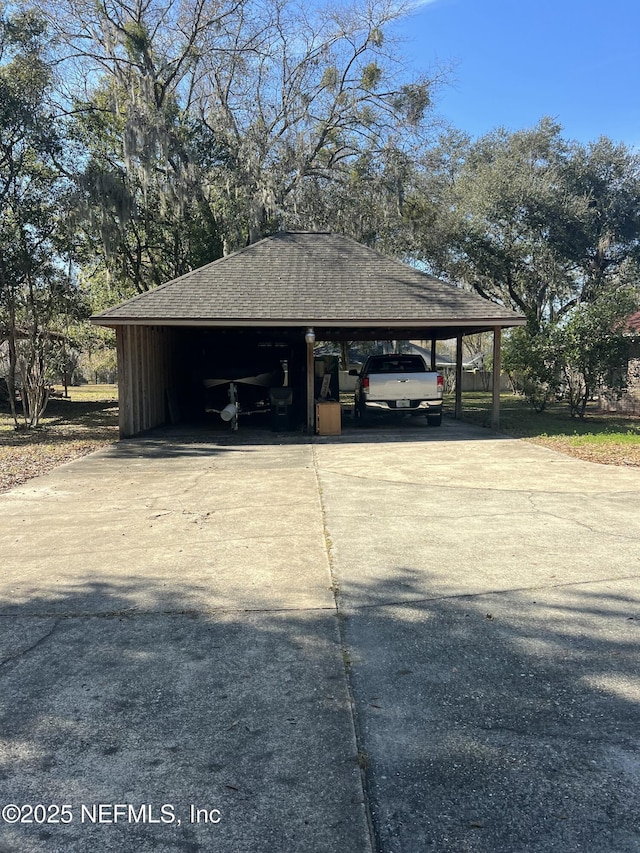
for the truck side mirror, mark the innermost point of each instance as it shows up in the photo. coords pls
(354, 372)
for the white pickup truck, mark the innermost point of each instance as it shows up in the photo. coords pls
(398, 384)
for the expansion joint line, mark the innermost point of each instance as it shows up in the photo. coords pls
(355, 721)
(23, 652)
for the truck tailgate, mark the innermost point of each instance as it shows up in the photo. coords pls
(408, 386)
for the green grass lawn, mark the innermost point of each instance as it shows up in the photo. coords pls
(600, 437)
(88, 393)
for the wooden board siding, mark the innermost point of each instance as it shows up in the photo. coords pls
(146, 376)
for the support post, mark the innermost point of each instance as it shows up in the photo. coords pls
(310, 339)
(124, 380)
(458, 403)
(495, 406)
(433, 355)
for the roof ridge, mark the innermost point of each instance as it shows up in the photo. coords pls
(166, 284)
(393, 260)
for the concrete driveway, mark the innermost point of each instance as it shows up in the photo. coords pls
(399, 640)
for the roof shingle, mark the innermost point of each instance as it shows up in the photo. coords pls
(308, 278)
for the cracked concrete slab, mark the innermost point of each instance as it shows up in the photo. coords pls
(240, 537)
(169, 643)
(169, 636)
(491, 613)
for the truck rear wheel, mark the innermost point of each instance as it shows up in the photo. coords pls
(434, 420)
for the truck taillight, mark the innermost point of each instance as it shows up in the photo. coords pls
(440, 385)
(365, 381)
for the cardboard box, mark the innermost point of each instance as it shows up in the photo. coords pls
(328, 418)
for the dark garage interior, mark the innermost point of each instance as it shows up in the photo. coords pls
(258, 366)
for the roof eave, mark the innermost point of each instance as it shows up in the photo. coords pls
(409, 322)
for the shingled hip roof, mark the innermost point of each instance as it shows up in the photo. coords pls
(633, 323)
(307, 278)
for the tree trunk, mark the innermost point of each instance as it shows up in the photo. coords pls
(13, 361)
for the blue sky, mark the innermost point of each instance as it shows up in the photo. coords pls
(577, 61)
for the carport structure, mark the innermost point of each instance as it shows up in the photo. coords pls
(267, 304)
